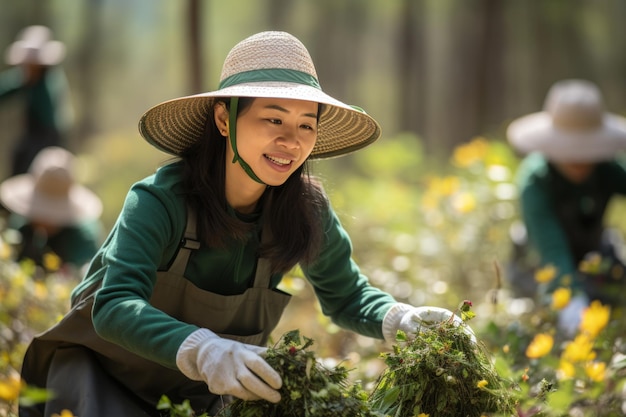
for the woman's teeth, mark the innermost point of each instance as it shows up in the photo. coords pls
(279, 161)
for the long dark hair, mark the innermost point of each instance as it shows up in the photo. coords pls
(292, 212)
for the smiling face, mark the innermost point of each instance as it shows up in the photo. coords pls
(274, 137)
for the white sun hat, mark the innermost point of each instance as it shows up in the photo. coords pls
(573, 127)
(49, 193)
(268, 65)
(34, 45)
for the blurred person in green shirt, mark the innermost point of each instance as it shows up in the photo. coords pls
(183, 295)
(573, 169)
(36, 81)
(57, 219)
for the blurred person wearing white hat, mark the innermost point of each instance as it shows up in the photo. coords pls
(573, 168)
(53, 214)
(37, 82)
(183, 296)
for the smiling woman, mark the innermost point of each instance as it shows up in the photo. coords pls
(182, 297)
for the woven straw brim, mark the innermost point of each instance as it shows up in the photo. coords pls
(536, 133)
(18, 195)
(175, 125)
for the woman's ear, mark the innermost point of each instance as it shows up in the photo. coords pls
(220, 114)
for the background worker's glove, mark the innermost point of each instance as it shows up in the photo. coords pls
(570, 316)
(409, 319)
(228, 367)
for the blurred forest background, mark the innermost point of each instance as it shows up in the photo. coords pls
(437, 74)
(444, 70)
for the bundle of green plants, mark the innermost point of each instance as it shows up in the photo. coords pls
(309, 388)
(443, 372)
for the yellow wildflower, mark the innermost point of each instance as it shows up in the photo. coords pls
(443, 186)
(464, 202)
(579, 350)
(595, 318)
(540, 346)
(51, 261)
(64, 413)
(5, 250)
(482, 383)
(560, 298)
(10, 387)
(423, 415)
(545, 274)
(596, 371)
(40, 290)
(566, 370)
(470, 153)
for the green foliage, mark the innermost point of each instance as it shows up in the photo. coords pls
(426, 230)
(442, 372)
(177, 410)
(431, 231)
(582, 375)
(31, 299)
(309, 389)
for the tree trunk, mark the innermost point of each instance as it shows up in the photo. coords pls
(195, 46)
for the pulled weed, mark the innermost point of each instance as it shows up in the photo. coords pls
(309, 388)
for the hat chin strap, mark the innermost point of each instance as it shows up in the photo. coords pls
(232, 133)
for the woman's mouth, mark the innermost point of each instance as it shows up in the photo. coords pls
(278, 161)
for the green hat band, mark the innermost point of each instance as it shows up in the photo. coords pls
(271, 75)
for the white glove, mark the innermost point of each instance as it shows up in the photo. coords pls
(409, 319)
(569, 317)
(228, 367)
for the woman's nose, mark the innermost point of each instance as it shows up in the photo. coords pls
(289, 138)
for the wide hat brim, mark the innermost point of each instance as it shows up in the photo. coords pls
(19, 196)
(174, 125)
(49, 54)
(35, 46)
(536, 132)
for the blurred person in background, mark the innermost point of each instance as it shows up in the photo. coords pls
(55, 217)
(37, 81)
(573, 169)
(183, 295)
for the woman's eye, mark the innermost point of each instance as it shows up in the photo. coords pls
(275, 121)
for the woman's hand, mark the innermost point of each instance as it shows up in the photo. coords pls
(228, 367)
(409, 319)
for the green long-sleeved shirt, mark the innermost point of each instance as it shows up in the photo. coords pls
(47, 103)
(74, 244)
(565, 220)
(145, 238)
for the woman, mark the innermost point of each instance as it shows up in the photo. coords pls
(566, 183)
(56, 217)
(183, 294)
(36, 75)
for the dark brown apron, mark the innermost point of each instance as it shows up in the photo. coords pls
(93, 377)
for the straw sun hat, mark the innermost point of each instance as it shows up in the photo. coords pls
(573, 127)
(34, 45)
(49, 193)
(269, 65)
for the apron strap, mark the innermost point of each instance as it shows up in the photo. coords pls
(190, 243)
(263, 271)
